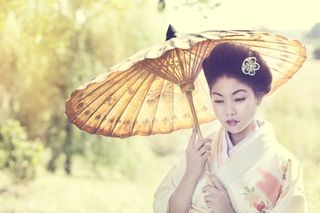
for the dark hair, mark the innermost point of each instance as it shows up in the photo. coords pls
(226, 60)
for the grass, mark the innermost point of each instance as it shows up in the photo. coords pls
(84, 192)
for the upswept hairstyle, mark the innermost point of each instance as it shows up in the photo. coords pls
(226, 60)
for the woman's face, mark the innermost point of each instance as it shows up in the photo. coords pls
(234, 103)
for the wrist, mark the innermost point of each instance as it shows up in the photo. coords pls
(190, 178)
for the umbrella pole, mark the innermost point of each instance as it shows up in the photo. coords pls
(195, 121)
(193, 111)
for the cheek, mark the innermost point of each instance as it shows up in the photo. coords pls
(218, 110)
(248, 109)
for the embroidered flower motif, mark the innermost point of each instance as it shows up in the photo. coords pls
(250, 66)
(255, 201)
(261, 207)
(269, 185)
(285, 185)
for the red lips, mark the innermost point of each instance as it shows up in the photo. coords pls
(232, 122)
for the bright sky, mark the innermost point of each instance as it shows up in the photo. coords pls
(248, 14)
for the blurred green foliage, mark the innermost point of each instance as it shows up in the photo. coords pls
(48, 48)
(316, 53)
(19, 155)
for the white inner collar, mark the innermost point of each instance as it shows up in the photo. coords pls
(231, 148)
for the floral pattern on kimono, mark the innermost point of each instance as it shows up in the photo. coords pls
(262, 206)
(261, 176)
(270, 186)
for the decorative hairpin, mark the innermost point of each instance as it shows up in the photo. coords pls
(250, 66)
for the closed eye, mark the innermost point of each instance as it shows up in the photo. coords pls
(239, 99)
(218, 101)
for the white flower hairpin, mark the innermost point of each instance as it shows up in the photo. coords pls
(250, 66)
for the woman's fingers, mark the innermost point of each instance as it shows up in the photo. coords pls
(210, 189)
(216, 182)
(202, 142)
(203, 150)
(192, 137)
(208, 198)
(206, 155)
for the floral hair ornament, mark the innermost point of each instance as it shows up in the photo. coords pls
(250, 66)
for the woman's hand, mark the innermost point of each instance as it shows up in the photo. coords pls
(197, 153)
(216, 196)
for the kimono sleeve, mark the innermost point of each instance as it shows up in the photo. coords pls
(168, 186)
(292, 198)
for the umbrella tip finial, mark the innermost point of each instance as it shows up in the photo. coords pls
(171, 32)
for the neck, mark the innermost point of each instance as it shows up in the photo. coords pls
(237, 137)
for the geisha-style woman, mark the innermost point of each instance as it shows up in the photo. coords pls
(250, 171)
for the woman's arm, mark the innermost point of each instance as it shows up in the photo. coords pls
(292, 198)
(196, 155)
(180, 200)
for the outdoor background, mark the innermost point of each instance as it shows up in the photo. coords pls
(50, 47)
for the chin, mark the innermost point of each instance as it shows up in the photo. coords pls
(235, 129)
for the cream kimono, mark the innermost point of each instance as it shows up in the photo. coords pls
(258, 173)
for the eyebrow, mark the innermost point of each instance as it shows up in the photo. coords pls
(235, 92)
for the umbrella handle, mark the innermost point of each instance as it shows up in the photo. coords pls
(194, 115)
(196, 122)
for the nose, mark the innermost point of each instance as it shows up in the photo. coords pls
(230, 110)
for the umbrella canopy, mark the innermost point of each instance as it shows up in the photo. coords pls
(153, 91)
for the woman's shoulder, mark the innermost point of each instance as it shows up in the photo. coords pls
(283, 157)
(285, 153)
(277, 148)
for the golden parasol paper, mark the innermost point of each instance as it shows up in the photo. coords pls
(153, 91)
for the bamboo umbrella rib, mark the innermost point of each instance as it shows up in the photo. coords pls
(264, 51)
(172, 109)
(102, 102)
(199, 58)
(252, 35)
(277, 58)
(156, 109)
(128, 75)
(286, 75)
(134, 82)
(152, 77)
(251, 44)
(101, 85)
(172, 76)
(154, 68)
(205, 89)
(289, 74)
(189, 61)
(266, 37)
(170, 103)
(138, 113)
(195, 58)
(98, 96)
(172, 54)
(295, 66)
(185, 63)
(181, 64)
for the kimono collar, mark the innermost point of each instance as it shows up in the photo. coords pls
(232, 148)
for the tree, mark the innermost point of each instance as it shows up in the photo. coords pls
(314, 32)
(50, 48)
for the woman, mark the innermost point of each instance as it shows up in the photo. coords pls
(249, 170)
